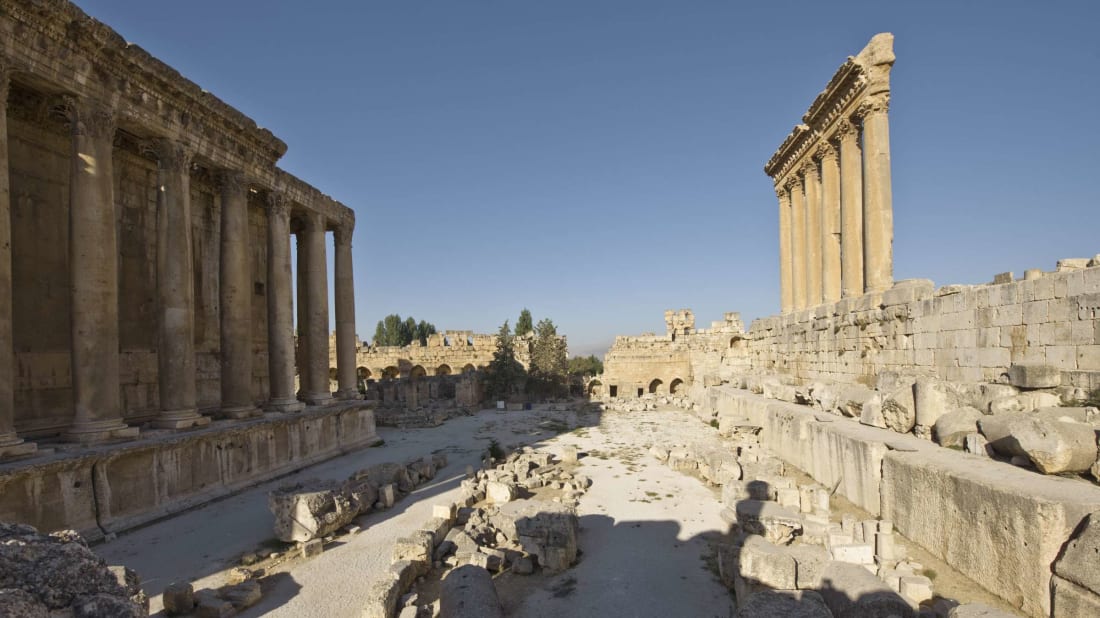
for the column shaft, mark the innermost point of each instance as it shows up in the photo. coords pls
(317, 305)
(175, 293)
(786, 300)
(798, 245)
(280, 311)
(93, 260)
(878, 209)
(830, 226)
(235, 296)
(302, 352)
(11, 445)
(813, 234)
(345, 314)
(851, 211)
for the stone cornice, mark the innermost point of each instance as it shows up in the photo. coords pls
(859, 76)
(145, 87)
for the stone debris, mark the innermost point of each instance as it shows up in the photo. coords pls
(57, 574)
(316, 509)
(468, 592)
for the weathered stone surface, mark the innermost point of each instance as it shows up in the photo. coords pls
(1034, 376)
(500, 493)
(898, 408)
(178, 598)
(16, 602)
(1069, 599)
(242, 595)
(1052, 446)
(544, 529)
(382, 597)
(810, 561)
(762, 563)
(468, 592)
(209, 605)
(1079, 562)
(932, 398)
(747, 489)
(1024, 402)
(951, 429)
(786, 603)
(416, 548)
(871, 413)
(59, 571)
(977, 610)
(775, 523)
(311, 510)
(850, 591)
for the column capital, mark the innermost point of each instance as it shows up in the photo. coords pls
(794, 181)
(277, 204)
(343, 232)
(782, 192)
(232, 181)
(314, 222)
(90, 118)
(825, 152)
(846, 129)
(171, 155)
(873, 104)
(809, 168)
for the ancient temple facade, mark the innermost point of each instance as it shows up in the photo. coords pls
(145, 259)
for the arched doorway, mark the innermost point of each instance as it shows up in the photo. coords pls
(390, 373)
(469, 368)
(676, 386)
(595, 388)
(655, 385)
(443, 370)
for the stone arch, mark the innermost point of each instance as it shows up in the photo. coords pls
(362, 373)
(443, 370)
(655, 385)
(595, 388)
(469, 368)
(417, 372)
(737, 342)
(390, 372)
(675, 386)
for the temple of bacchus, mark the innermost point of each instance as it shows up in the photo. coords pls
(145, 284)
(963, 415)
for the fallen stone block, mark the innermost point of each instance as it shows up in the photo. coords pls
(1078, 561)
(209, 605)
(438, 527)
(500, 493)
(468, 592)
(523, 565)
(871, 413)
(547, 530)
(786, 603)
(1052, 446)
(899, 409)
(851, 591)
(382, 597)
(311, 548)
(1069, 599)
(916, 588)
(178, 598)
(951, 428)
(764, 564)
(387, 495)
(569, 454)
(854, 553)
(747, 489)
(978, 610)
(1023, 402)
(1034, 376)
(810, 561)
(242, 595)
(775, 523)
(18, 602)
(311, 510)
(417, 549)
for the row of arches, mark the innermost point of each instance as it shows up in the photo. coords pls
(416, 371)
(656, 386)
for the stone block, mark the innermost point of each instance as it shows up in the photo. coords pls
(1069, 599)
(178, 599)
(851, 590)
(951, 429)
(776, 523)
(444, 511)
(810, 561)
(500, 493)
(311, 548)
(209, 605)
(1052, 446)
(569, 454)
(788, 497)
(766, 564)
(977, 610)
(1078, 561)
(382, 597)
(438, 528)
(310, 510)
(417, 549)
(855, 553)
(468, 591)
(242, 595)
(786, 603)
(1034, 376)
(387, 495)
(916, 588)
(1023, 402)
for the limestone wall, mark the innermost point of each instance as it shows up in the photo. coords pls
(957, 333)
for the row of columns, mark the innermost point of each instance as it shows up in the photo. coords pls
(98, 413)
(836, 215)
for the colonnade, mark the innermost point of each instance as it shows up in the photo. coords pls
(836, 214)
(94, 290)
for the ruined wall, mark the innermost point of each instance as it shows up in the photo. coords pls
(957, 333)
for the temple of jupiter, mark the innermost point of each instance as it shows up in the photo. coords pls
(832, 178)
(145, 284)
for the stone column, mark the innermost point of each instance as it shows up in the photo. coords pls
(93, 260)
(830, 224)
(851, 211)
(11, 445)
(280, 312)
(175, 293)
(317, 308)
(878, 208)
(302, 351)
(786, 300)
(813, 233)
(798, 242)
(345, 313)
(235, 297)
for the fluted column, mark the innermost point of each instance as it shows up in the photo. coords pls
(11, 445)
(813, 233)
(345, 313)
(93, 260)
(280, 316)
(851, 210)
(302, 351)
(830, 224)
(175, 293)
(878, 208)
(798, 242)
(786, 299)
(235, 296)
(317, 307)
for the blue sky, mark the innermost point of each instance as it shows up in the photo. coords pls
(599, 162)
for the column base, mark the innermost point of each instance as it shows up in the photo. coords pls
(241, 412)
(318, 399)
(285, 405)
(180, 419)
(12, 446)
(100, 431)
(348, 394)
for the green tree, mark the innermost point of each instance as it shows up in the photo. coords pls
(393, 331)
(585, 366)
(504, 375)
(549, 364)
(524, 324)
(424, 330)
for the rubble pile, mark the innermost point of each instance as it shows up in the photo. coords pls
(649, 402)
(45, 575)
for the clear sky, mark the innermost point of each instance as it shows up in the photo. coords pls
(601, 161)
